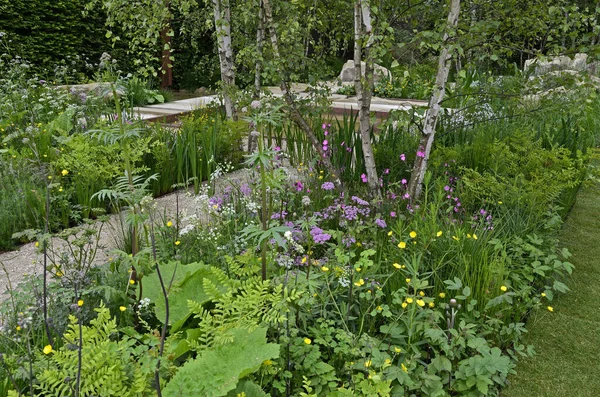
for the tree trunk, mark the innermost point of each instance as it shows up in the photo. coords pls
(222, 12)
(418, 174)
(260, 37)
(364, 86)
(287, 95)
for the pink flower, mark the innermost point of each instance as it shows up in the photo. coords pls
(386, 171)
(402, 157)
(407, 196)
(420, 154)
(325, 142)
(364, 178)
(324, 126)
(403, 181)
(393, 214)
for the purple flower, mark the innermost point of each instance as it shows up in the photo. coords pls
(402, 157)
(328, 186)
(446, 188)
(407, 196)
(245, 190)
(319, 236)
(299, 186)
(380, 222)
(364, 178)
(420, 154)
(324, 126)
(359, 201)
(404, 181)
(386, 171)
(393, 214)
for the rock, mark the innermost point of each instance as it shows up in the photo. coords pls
(347, 73)
(579, 63)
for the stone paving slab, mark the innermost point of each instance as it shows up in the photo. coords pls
(341, 104)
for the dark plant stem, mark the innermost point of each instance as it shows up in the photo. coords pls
(30, 360)
(79, 344)
(10, 377)
(163, 334)
(45, 271)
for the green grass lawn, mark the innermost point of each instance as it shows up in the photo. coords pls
(567, 341)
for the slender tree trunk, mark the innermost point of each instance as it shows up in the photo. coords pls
(222, 12)
(287, 95)
(166, 79)
(418, 173)
(364, 86)
(260, 37)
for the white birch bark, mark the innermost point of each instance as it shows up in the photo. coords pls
(420, 167)
(364, 86)
(222, 13)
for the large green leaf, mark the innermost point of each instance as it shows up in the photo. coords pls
(217, 371)
(186, 284)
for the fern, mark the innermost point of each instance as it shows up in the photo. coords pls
(109, 368)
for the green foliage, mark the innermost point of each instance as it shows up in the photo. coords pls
(54, 37)
(108, 367)
(217, 370)
(185, 283)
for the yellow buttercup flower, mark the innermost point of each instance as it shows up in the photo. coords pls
(503, 288)
(474, 236)
(468, 236)
(421, 293)
(543, 294)
(439, 234)
(401, 245)
(325, 268)
(131, 281)
(404, 367)
(455, 238)
(307, 341)
(37, 243)
(412, 234)
(550, 309)
(420, 302)
(304, 259)
(64, 172)
(397, 266)
(431, 304)
(169, 224)
(368, 363)
(80, 302)
(359, 282)
(18, 328)
(122, 308)
(177, 242)
(404, 304)
(409, 300)
(442, 295)
(390, 233)
(408, 280)
(397, 349)
(47, 349)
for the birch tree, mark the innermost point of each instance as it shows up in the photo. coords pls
(433, 111)
(363, 32)
(222, 14)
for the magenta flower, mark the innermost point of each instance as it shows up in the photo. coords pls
(402, 157)
(403, 181)
(393, 214)
(420, 154)
(364, 178)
